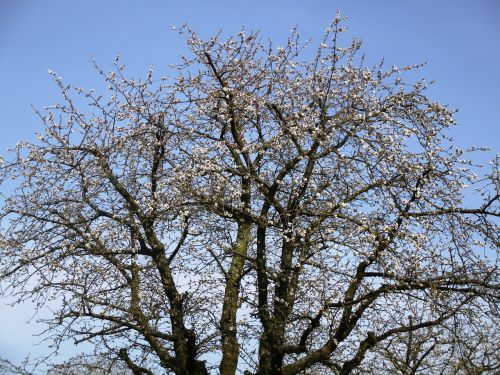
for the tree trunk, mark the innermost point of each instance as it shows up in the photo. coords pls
(230, 346)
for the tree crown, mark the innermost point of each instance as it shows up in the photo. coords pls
(257, 212)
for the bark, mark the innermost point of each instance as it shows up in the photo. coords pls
(230, 346)
(184, 339)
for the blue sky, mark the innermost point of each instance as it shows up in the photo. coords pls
(459, 40)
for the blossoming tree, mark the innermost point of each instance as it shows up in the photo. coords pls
(257, 212)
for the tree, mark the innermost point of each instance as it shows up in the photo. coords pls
(259, 212)
(78, 365)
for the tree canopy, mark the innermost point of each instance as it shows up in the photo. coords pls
(263, 210)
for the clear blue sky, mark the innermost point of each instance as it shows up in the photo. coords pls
(459, 39)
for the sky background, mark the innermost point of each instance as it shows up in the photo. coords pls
(458, 39)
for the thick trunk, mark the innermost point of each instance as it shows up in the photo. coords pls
(262, 283)
(184, 339)
(230, 346)
(265, 356)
